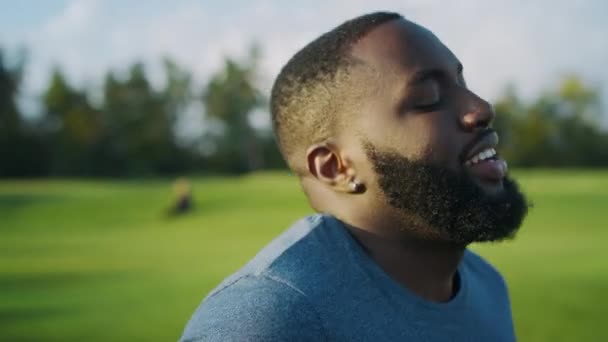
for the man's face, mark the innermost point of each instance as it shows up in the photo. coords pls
(429, 138)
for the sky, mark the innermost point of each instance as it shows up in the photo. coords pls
(530, 44)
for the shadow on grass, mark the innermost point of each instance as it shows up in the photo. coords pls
(15, 324)
(17, 201)
(36, 299)
(9, 316)
(22, 283)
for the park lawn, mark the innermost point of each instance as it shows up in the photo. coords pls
(101, 260)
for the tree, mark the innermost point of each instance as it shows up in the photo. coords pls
(177, 93)
(139, 122)
(10, 80)
(230, 96)
(73, 127)
(560, 128)
(22, 152)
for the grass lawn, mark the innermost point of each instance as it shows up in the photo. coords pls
(100, 260)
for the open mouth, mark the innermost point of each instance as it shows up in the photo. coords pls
(487, 154)
(484, 163)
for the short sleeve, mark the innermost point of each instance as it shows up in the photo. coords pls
(255, 308)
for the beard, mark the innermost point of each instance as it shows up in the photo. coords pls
(442, 204)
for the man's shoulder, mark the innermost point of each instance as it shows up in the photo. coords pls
(296, 252)
(271, 294)
(298, 236)
(255, 307)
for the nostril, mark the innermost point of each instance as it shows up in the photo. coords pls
(478, 119)
(478, 113)
(485, 121)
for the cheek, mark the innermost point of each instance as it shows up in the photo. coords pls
(434, 140)
(430, 136)
(410, 137)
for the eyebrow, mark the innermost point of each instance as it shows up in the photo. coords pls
(435, 73)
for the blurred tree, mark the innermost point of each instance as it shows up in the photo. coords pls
(580, 140)
(10, 80)
(73, 127)
(560, 128)
(177, 93)
(509, 109)
(230, 96)
(133, 131)
(139, 121)
(22, 152)
(578, 99)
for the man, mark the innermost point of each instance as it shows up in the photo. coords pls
(398, 155)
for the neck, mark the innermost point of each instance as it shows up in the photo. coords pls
(428, 268)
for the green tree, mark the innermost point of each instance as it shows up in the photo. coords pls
(139, 121)
(177, 93)
(581, 140)
(230, 96)
(73, 127)
(560, 128)
(10, 80)
(22, 151)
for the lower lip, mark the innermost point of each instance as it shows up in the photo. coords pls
(489, 169)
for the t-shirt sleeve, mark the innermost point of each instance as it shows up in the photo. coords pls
(255, 308)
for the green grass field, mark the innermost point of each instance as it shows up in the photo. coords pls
(100, 261)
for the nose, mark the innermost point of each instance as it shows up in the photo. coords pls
(477, 113)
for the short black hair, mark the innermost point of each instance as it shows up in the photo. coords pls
(310, 91)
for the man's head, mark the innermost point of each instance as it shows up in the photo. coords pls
(313, 93)
(381, 103)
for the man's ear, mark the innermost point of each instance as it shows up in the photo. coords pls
(326, 164)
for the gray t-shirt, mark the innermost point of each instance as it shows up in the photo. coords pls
(316, 283)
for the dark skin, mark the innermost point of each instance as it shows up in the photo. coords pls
(420, 107)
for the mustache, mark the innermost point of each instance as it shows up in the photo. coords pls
(480, 135)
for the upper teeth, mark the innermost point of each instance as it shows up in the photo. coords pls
(483, 155)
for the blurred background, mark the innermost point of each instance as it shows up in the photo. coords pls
(138, 166)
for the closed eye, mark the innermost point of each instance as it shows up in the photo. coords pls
(427, 107)
(426, 96)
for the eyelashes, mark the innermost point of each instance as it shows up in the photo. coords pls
(427, 96)
(427, 107)
(431, 101)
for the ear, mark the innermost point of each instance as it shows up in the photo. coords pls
(326, 164)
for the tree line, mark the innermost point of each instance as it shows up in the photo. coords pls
(131, 128)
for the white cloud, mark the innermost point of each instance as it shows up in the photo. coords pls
(528, 43)
(74, 21)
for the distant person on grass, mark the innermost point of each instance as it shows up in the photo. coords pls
(398, 157)
(182, 197)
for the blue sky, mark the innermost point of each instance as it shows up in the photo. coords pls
(528, 43)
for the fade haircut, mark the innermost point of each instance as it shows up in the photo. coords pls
(315, 85)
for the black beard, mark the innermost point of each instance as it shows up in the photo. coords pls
(440, 203)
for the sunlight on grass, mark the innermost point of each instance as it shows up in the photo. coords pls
(101, 260)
